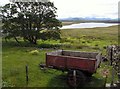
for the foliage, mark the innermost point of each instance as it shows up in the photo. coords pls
(50, 34)
(27, 19)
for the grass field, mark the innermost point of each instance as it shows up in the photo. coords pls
(91, 38)
(15, 57)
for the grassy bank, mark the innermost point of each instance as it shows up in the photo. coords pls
(16, 57)
(90, 38)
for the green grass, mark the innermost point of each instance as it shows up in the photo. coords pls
(14, 61)
(16, 57)
(91, 38)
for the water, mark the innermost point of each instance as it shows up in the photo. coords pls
(88, 25)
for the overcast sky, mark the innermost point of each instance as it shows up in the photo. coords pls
(84, 8)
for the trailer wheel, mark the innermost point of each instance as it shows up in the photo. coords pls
(88, 74)
(76, 81)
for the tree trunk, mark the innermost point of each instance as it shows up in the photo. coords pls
(6, 39)
(16, 40)
(31, 39)
(33, 42)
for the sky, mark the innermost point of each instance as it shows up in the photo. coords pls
(84, 8)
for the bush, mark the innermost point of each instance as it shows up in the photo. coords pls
(49, 45)
(50, 34)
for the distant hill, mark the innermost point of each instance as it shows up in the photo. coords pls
(89, 19)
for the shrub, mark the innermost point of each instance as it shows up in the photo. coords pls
(50, 34)
(44, 45)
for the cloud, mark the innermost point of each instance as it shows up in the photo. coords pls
(83, 8)
(3, 2)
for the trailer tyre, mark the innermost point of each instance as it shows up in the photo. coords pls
(77, 81)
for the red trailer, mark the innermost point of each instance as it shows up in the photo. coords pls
(78, 64)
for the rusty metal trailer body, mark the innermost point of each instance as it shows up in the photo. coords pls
(76, 60)
(78, 64)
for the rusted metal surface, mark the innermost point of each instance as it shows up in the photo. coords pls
(66, 60)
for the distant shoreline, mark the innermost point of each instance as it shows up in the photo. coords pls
(72, 25)
(69, 22)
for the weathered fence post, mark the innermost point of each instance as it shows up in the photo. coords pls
(111, 56)
(112, 81)
(26, 67)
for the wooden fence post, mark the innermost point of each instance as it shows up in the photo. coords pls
(111, 55)
(26, 67)
(112, 81)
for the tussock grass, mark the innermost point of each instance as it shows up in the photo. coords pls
(16, 57)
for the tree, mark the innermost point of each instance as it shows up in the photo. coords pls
(50, 34)
(27, 19)
(10, 26)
